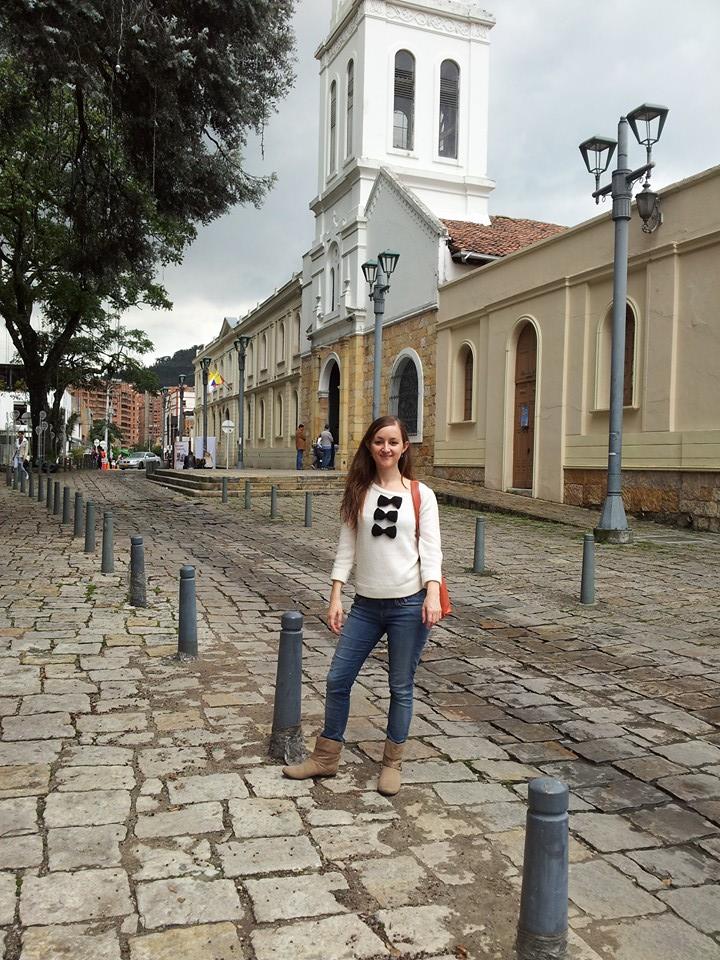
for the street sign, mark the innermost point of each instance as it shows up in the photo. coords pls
(227, 426)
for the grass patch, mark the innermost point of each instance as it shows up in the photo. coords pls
(90, 590)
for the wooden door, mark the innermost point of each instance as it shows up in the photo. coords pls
(524, 409)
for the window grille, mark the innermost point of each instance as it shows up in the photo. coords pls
(333, 124)
(349, 117)
(449, 97)
(404, 395)
(404, 104)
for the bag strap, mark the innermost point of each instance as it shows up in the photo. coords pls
(415, 491)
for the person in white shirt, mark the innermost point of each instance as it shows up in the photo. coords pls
(22, 453)
(398, 570)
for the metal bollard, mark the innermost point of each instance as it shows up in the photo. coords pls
(22, 479)
(138, 596)
(187, 624)
(247, 494)
(543, 923)
(56, 498)
(479, 555)
(31, 483)
(308, 509)
(90, 527)
(224, 490)
(8, 475)
(78, 515)
(273, 502)
(66, 505)
(49, 497)
(286, 739)
(107, 563)
(40, 487)
(587, 582)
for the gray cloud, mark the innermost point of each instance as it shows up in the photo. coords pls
(561, 71)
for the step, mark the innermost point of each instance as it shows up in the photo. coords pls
(259, 486)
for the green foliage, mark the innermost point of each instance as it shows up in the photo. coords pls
(168, 369)
(97, 432)
(122, 124)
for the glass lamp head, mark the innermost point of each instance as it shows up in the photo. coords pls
(388, 261)
(370, 269)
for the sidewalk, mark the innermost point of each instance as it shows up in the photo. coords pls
(140, 817)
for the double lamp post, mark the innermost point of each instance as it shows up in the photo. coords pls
(377, 273)
(646, 122)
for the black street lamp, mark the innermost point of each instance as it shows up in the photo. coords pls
(241, 345)
(205, 364)
(647, 122)
(377, 274)
(181, 411)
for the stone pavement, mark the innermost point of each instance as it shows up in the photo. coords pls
(139, 815)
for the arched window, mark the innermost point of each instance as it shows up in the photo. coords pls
(263, 352)
(449, 104)
(297, 333)
(281, 342)
(261, 422)
(249, 360)
(604, 360)
(279, 415)
(629, 378)
(296, 408)
(404, 102)
(468, 382)
(248, 421)
(405, 394)
(332, 290)
(349, 109)
(333, 278)
(333, 126)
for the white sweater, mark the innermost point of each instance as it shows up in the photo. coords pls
(386, 568)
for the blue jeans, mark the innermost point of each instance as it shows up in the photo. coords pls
(326, 455)
(299, 460)
(369, 620)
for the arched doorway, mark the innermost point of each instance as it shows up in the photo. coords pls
(524, 408)
(334, 401)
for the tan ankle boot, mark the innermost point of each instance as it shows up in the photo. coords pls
(389, 780)
(322, 762)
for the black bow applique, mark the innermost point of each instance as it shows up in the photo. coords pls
(390, 515)
(386, 501)
(388, 531)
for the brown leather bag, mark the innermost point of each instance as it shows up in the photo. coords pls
(445, 602)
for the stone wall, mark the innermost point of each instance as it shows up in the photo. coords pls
(474, 475)
(689, 499)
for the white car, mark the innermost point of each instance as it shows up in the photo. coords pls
(138, 461)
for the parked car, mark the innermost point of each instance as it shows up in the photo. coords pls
(138, 461)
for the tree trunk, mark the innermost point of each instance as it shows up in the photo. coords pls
(37, 389)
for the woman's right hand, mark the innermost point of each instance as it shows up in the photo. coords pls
(336, 615)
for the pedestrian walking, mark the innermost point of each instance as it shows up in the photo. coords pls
(21, 460)
(300, 446)
(397, 557)
(326, 445)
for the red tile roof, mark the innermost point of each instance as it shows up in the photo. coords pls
(503, 235)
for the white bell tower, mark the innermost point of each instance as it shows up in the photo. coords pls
(403, 85)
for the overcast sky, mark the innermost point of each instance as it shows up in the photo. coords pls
(561, 70)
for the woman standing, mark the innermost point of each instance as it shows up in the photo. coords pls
(397, 578)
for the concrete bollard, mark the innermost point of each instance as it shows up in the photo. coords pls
(8, 475)
(286, 739)
(247, 494)
(543, 923)
(479, 555)
(187, 623)
(587, 581)
(13, 479)
(66, 505)
(21, 470)
(308, 509)
(40, 487)
(138, 595)
(273, 502)
(90, 527)
(78, 515)
(56, 498)
(224, 490)
(107, 563)
(49, 496)
(31, 483)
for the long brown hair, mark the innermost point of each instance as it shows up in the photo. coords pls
(362, 469)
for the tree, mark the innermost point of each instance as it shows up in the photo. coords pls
(97, 431)
(122, 124)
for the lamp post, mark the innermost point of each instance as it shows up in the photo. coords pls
(241, 344)
(377, 273)
(164, 392)
(647, 122)
(181, 411)
(205, 364)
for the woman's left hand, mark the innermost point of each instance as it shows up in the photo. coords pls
(432, 611)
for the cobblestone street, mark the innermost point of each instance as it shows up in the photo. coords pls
(141, 818)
